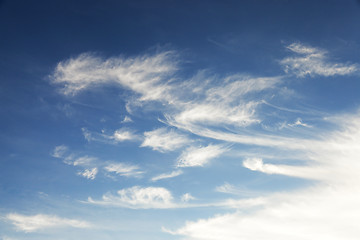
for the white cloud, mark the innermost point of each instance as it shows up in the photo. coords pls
(138, 198)
(299, 122)
(312, 172)
(193, 157)
(59, 151)
(223, 105)
(123, 169)
(84, 161)
(167, 175)
(320, 213)
(226, 188)
(231, 189)
(164, 140)
(328, 209)
(206, 109)
(199, 101)
(187, 197)
(62, 152)
(127, 119)
(87, 134)
(145, 75)
(120, 135)
(40, 221)
(216, 113)
(312, 61)
(89, 173)
(238, 86)
(123, 134)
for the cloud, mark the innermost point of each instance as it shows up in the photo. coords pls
(40, 222)
(84, 161)
(120, 135)
(226, 109)
(299, 122)
(164, 140)
(88, 163)
(312, 61)
(312, 172)
(327, 209)
(321, 213)
(123, 169)
(224, 105)
(146, 75)
(187, 197)
(60, 151)
(89, 173)
(205, 99)
(167, 175)
(231, 189)
(138, 198)
(123, 134)
(127, 119)
(193, 157)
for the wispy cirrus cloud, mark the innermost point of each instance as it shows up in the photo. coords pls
(144, 74)
(39, 222)
(124, 169)
(138, 198)
(164, 140)
(187, 102)
(63, 153)
(167, 175)
(196, 157)
(311, 172)
(231, 189)
(119, 135)
(187, 197)
(127, 119)
(313, 61)
(59, 151)
(89, 173)
(226, 105)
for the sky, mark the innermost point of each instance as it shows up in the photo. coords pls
(184, 120)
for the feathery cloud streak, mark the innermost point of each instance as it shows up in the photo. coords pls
(143, 75)
(197, 157)
(138, 198)
(124, 169)
(40, 221)
(163, 140)
(312, 61)
(167, 175)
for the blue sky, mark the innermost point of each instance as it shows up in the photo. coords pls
(196, 120)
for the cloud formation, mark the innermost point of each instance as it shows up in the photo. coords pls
(196, 157)
(138, 198)
(224, 108)
(89, 173)
(313, 61)
(167, 175)
(164, 140)
(143, 75)
(123, 169)
(40, 222)
(327, 209)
